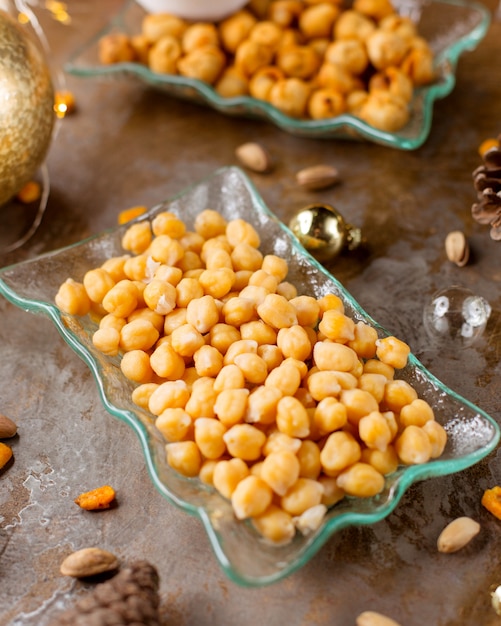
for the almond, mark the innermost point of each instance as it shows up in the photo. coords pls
(317, 177)
(254, 156)
(457, 534)
(7, 427)
(371, 618)
(88, 562)
(457, 248)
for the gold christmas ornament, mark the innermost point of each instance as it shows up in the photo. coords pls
(322, 230)
(26, 107)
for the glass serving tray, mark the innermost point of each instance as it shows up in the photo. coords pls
(244, 556)
(450, 26)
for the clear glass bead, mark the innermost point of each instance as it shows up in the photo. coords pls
(456, 314)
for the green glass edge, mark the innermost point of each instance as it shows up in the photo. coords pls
(406, 478)
(309, 128)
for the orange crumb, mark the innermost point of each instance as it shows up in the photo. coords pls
(491, 500)
(29, 193)
(129, 214)
(100, 498)
(488, 144)
(5, 454)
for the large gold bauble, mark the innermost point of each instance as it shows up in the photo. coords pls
(26, 107)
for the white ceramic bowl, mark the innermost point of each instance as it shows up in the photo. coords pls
(197, 10)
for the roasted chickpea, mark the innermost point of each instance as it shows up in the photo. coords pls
(205, 63)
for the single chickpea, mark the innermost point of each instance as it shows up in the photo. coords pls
(260, 332)
(141, 47)
(255, 293)
(241, 280)
(164, 54)
(285, 377)
(156, 25)
(280, 470)
(326, 103)
(337, 326)
(392, 351)
(398, 393)
(167, 273)
(364, 340)
(374, 366)
(262, 81)
(203, 398)
(309, 460)
(384, 461)
(271, 355)
(266, 33)
(208, 361)
(253, 368)
(142, 394)
(206, 473)
(137, 267)
(169, 395)
(244, 441)
(323, 385)
(222, 336)
(280, 441)
(413, 446)
(330, 301)
(166, 362)
(232, 83)
(418, 412)
(173, 320)
(374, 384)
(361, 480)
(335, 77)
(340, 451)
(238, 311)
(304, 494)
(385, 111)
(252, 496)
(144, 313)
(202, 313)
(246, 257)
(192, 241)
(112, 321)
(317, 20)
(209, 223)
(418, 63)
(191, 262)
(116, 48)
(292, 418)
(298, 62)
(251, 56)
(332, 491)
(235, 29)
(184, 457)
(209, 437)
(353, 25)
(186, 340)
(97, 283)
(227, 475)
(275, 525)
(198, 35)
(358, 403)
(107, 340)
(72, 298)
(294, 342)
(205, 63)
(262, 405)
(334, 356)
(115, 267)
(376, 9)
(174, 424)
(139, 334)
(285, 12)
(276, 311)
(135, 366)
(243, 346)
(329, 415)
(350, 54)
(290, 96)
(159, 296)
(230, 408)
(437, 436)
(121, 299)
(229, 377)
(374, 431)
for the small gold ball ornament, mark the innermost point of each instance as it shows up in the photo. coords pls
(322, 230)
(26, 107)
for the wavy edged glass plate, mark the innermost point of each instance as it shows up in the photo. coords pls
(450, 26)
(245, 557)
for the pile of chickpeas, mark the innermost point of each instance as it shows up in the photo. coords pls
(280, 401)
(309, 59)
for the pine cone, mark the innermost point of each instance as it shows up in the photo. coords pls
(128, 599)
(487, 183)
